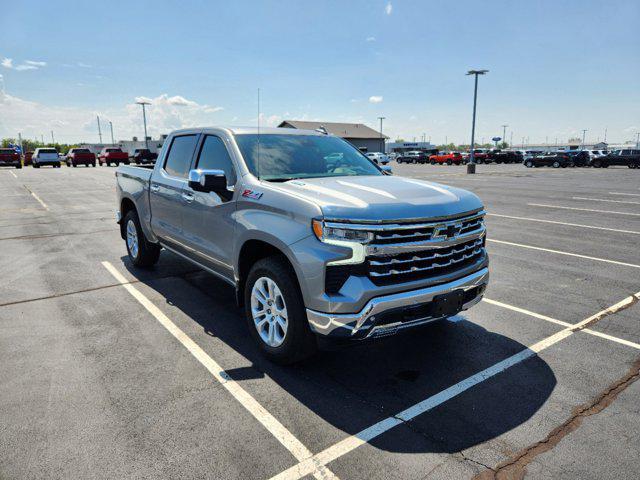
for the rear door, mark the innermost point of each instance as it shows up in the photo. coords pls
(167, 187)
(208, 221)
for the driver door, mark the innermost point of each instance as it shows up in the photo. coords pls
(208, 223)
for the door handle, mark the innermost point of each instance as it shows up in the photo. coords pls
(188, 197)
(155, 187)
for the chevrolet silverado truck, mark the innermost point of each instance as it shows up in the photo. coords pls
(80, 156)
(318, 242)
(143, 155)
(9, 157)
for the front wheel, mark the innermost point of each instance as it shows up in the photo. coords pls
(142, 253)
(528, 164)
(275, 312)
(449, 162)
(556, 164)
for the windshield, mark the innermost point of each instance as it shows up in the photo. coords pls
(48, 150)
(7, 150)
(284, 157)
(110, 150)
(80, 150)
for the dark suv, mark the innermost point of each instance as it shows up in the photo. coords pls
(551, 159)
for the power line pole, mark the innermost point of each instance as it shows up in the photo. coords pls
(144, 118)
(381, 137)
(111, 127)
(583, 134)
(471, 166)
(99, 130)
(504, 133)
(605, 134)
(20, 140)
(637, 139)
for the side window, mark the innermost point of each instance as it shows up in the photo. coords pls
(214, 156)
(179, 156)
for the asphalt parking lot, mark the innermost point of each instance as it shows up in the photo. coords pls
(111, 372)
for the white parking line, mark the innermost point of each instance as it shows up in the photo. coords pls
(354, 441)
(583, 209)
(284, 436)
(563, 223)
(605, 200)
(37, 198)
(559, 252)
(15, 176)
(622, 193)
(621, 341)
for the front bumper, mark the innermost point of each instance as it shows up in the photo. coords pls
(374, 319)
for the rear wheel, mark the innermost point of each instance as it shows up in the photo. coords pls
(596, 163)
(73, 165)
(142, 253)
(449, 162)
(556, 164)
(18, 166)
(275, 312)
(528, 164)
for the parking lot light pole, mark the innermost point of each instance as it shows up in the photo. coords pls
(471, 166)
(111, 127)
(381, 137)
(144, 119)
(583, 134)
(504, 133)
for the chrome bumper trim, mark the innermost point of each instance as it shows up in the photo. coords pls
(346, 325)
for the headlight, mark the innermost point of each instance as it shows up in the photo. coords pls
(344, 237)
(331, 234)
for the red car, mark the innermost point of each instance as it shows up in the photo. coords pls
(479, 156)
(9, 158)
(81, 156)
(449, 158)
(114, 155)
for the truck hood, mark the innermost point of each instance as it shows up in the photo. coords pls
(382, 198)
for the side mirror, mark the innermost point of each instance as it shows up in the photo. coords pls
(208, 181)
(386, 169)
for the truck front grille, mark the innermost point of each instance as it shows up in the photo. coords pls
(410, 251)
(407, 267)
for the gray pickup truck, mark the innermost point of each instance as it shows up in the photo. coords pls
(317, 240)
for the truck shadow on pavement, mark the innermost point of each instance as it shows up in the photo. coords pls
(354, 387)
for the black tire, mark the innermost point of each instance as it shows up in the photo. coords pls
(556, 164)
(93, 164)
(299, 342)
(449, 162)
(19, 166)
(148, 253)
(596, 164)
(479, 161)
(35, 165)
(117, 164)
(528, 164)
(73, 165)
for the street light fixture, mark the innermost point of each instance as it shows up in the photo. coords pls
(471, 166)
(144, 118)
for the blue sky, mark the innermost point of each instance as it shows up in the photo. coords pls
(556, 67)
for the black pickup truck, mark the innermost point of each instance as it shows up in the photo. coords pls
(626, 156)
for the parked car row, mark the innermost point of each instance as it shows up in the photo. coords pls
(78, 156)
(584, 158)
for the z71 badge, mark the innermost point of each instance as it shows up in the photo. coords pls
(252, 194)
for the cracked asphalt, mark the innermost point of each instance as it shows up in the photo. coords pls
(92, 386)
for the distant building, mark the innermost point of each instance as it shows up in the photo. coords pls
(402, 147)
(128, 145)
(359, 135)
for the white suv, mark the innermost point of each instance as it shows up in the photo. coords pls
(378, 158)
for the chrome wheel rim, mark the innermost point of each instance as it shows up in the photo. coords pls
(132, 238)
(269, 312)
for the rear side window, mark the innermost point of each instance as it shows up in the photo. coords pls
(214, 156)
(179, 156)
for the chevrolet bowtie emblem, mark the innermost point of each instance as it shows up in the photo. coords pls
(444, 232)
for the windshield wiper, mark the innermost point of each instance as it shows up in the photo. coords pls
(281, 179)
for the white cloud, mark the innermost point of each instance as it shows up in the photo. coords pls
(388, 9)
(371, 39)
(27, 65)
(166, 113)
(375, 99)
